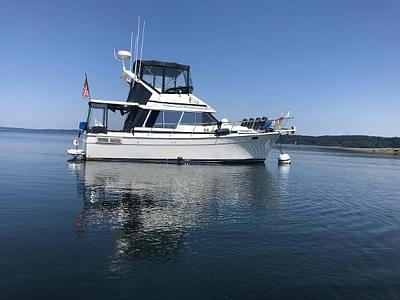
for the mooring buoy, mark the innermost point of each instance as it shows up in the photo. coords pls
(284, 158)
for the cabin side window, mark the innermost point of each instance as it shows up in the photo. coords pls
(171, 118)
(163, 119)
(198, 118)
(207, 118)
(152, 118)
(97, 118)
(188, 118)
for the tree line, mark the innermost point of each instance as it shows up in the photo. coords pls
(357, 141)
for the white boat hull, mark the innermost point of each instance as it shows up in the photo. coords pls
(206, 148)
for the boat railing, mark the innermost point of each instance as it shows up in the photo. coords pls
(258, 124)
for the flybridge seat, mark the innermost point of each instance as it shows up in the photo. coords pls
(257, 124)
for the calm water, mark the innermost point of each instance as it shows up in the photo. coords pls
(327, 227)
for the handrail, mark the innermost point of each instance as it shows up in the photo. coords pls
(275, 124)
(115, 102)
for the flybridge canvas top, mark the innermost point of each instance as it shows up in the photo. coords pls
(162, 64)
(165, 77)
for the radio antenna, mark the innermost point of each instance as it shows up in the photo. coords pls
(141, 48)
(137, 44)
(130, 59)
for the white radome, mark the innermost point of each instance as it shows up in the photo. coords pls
(123, 54)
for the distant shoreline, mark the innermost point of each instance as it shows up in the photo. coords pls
(353, 143)
(44, 130)
(383, 151)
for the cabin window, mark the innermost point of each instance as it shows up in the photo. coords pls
(206, 118)
(164, 119)
(152, 119)
(159, 123)
(97, 118)
(188, 118)
(171, 118)
(198, 118)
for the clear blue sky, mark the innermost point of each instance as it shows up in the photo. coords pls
(334, 64)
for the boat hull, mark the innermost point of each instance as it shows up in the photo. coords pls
(209, 149)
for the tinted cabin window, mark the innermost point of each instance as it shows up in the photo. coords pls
(166, 119)
(152, 118)
(198, 118)
(209, 119)
(203, 118)
(159, 123)
(188, 118)
(171, 118)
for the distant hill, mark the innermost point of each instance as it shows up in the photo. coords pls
(357, 141)
(28, 130)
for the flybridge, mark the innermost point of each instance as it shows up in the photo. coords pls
(153, 80)
(165, 77)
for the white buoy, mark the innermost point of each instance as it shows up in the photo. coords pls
(284, 158)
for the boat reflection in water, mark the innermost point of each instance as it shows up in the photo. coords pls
(151, 207)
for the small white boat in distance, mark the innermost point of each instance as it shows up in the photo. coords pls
(162, 120)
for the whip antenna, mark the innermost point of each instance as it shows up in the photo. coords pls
(130, 59)
(141, 48)
(137, 44)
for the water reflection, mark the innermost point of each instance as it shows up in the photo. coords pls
(284, 170)
(151, 207)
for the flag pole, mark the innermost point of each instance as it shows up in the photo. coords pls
(87, 83)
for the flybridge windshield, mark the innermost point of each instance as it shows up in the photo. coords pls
(166, 77)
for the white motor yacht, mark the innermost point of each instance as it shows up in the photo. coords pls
(162, 121)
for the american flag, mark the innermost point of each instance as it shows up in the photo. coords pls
(85, 89)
